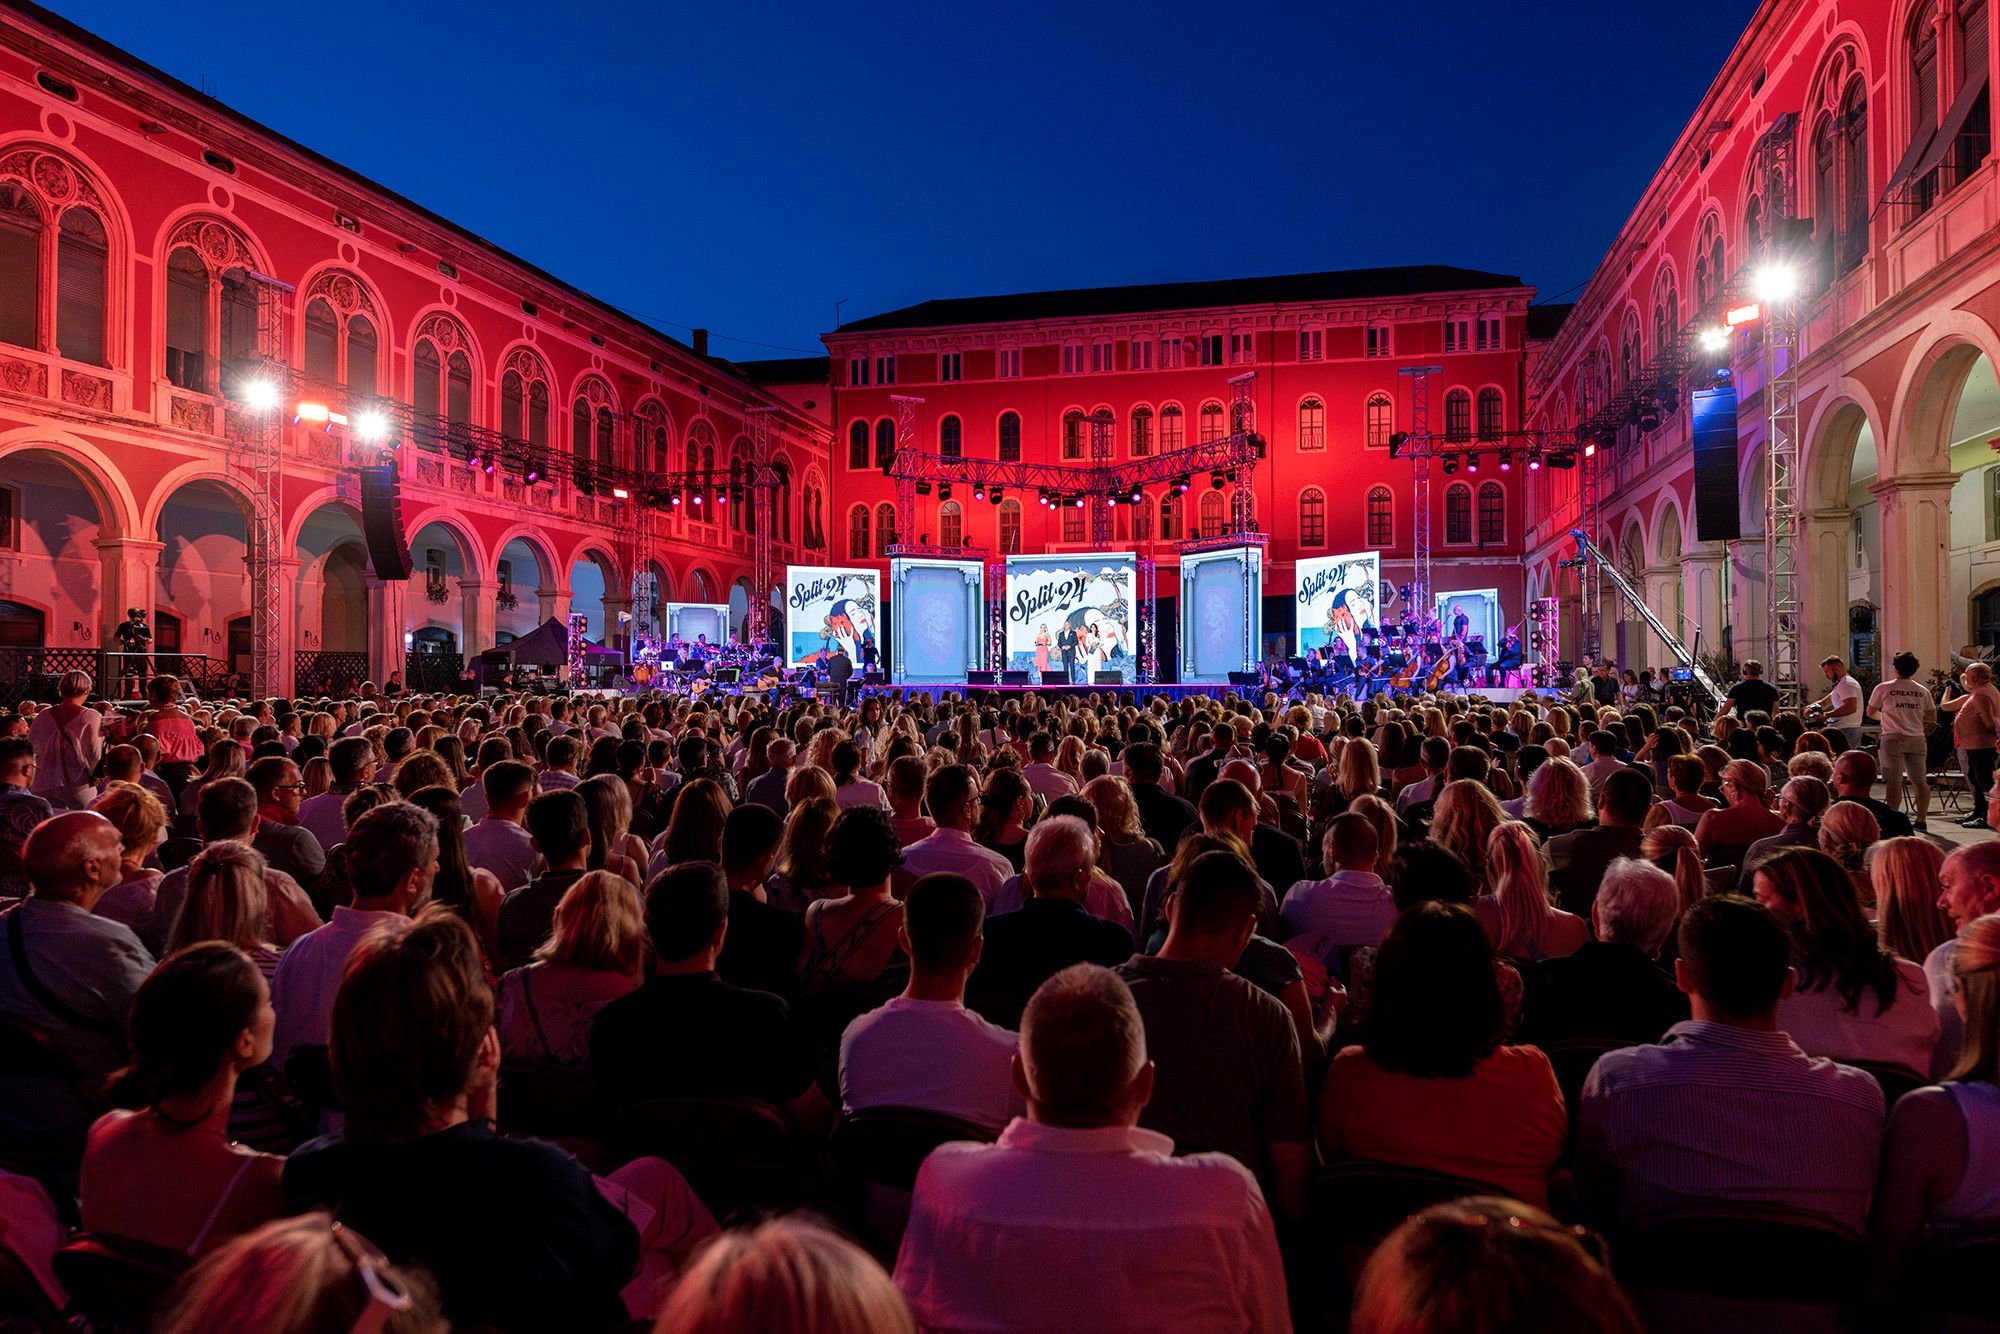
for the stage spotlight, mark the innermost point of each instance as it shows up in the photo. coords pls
(1215, 481)
(1136, 496)
(1562, 459)
(1181, 484)
(530, 475)
(1775, 282)
(978, 491)
(944, 490)
(1649, 416)
(1506, 461)
(261, 395)
(996, 494)
(1112, 500)
(372, 426)
(1396, 442)
(1080, 502)
(1714, 340)
(923, 488)
(488, 464)
(1450, 464)
(721, 496)
(695, 498)
(673, 500)
(1534, 463)
(1044, 498)
(1472, 463)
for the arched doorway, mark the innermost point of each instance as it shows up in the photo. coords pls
(332, 612)
(524, 588)
(441, 557)
(593, 580)
(203, 586)
(50, 522)
(739, 609)
(651, 591)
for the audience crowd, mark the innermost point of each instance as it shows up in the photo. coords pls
(1086, 1012)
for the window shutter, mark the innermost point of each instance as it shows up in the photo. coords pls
(20, 271)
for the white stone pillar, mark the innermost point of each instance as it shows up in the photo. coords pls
(388, 623)
(1916, 538)
(477, 616)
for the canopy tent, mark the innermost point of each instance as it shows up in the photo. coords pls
(547, 645)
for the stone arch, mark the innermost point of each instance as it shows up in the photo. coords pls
(1927, 399)
(1669, 537)
(204, 470)
(472, 557)
(108, 487)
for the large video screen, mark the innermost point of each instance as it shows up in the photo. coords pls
(1071, 617)
(1337, 598)
(829, 607)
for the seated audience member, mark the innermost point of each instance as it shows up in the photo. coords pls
(472, 797)
(1052, 930)
(1577, 859)
(1043, 778)
(67, 974)
(1611, 987)
(351, 758)
(226, 811)
(1435, 753)
(1968, 889)
(1854, 780)
(1229, 1076)
(1164, 816)
(694, 826)
(1431, 1063)
(906, 799)
(1939, 1171)
(1852, 999)
(1558, 799)
(1077, 1219)
(287, 844)
(305, 1275)
(391, 859)
(788, 1274)
(1488, 1264)
(142, 825)
(852, 939)
(167, 1174)
(1685, 775)
(1904, 875)
(1006, 804)
(1352, 907)
(850, 789)
(762, 949)
(1527, 925)
(1801, 802)
(768, 788)
(595, 953)
(499, 844)
(518, 1235)
(1124, 852)
(559, 764)
(560, 827)
(923, 1048)
(952, 793)
(1726, 1107)
(685, 1033)
(460, 886)
(607, 804)
(1276, 853)
(1104, 899)
(1725, 835)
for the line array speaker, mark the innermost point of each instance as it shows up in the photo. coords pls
(382, 522)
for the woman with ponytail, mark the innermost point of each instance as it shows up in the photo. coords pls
(166, 1173)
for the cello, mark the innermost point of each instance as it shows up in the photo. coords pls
(1447, 661)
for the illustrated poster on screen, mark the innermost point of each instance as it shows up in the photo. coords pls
(1336, 596)
(828, 608)
(1071, 616)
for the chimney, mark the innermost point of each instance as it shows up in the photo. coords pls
(701, 342)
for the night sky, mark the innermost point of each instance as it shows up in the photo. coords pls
(745, 166)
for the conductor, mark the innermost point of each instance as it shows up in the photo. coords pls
(840, 670)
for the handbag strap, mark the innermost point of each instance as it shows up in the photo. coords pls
(49, 1000)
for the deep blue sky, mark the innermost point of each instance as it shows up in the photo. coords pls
(744, 166)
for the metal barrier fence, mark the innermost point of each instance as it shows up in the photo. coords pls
(433, 673)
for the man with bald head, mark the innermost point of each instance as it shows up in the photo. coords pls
(67, 973)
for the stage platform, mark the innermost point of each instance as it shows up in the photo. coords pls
(1497, 694)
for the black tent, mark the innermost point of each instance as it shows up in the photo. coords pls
(545, 646)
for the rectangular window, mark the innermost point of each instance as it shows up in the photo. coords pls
(1379, 340)
(1141, 353)
(1072, 523)
(951, 366)
(1211, 349)
(885, 369)
(1172, 354)
(857, 372)
(1242, 348)
(1100, 357)
(1312, 344)
(1457, 335)
(1010, 529)
(1492, 515)
(1489, 333)
(1010, 363)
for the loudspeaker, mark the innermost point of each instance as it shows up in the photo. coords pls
(1108, 679)
(1717, 508)
(1243, 678)
(1016, 678)
(982, 678)
(382, 522)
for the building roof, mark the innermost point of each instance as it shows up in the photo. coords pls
(1543, 321)
(785, 370)
(1084, 302)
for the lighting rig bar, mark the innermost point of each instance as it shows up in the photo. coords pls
(1118, 481)
(1588, 550)
(1532, 449)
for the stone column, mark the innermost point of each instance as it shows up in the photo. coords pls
(1701, 573)
(554, 602)
(388, 622)
(1916, 537)
(128, 575)
(478, 616)
(1661, 580)
(1825, 556)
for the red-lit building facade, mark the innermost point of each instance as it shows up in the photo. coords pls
(1898, 257)
(1017, 378)
(144, 230)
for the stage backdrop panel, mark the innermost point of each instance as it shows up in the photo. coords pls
(938, 631)
(689, 619)
(1482, 614)
(828, 607)
(1336, 598)
(1074, 614)
(1221, 594)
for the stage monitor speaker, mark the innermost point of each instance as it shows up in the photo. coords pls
(1016, 678)
(1243, 678)
(382, 522)
(1717, 507)
(982, 678)
(1108, 679)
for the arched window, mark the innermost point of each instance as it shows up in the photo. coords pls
(951, 443)
(781, 502)
(857, 533)
(607, 441)
(211, 317)
(1458, 513)
(1072, 434)
(1492, 514)
(951, 524)
(1492, 413)
(1312, 517)
(363, 363)
(1923, 96)
(1142, 428)
(857, 445)
(1010, 438)
(1458, 415)
(1840, 185)
(322, 350)
(885, 442)
(1631, 356)
(649, 441)
(1010, 527)
(1173, 430)
(1312, 425)
(21, 266)
(1380, 420)
(1381, 517)
(458, 389)
(701, 463)
(1666, 312)
(885, 526)
(1212, 506)
(340, 342)
(1213, 423)
(1171, 505)
(82, 249)
(1709, 275)
(524, 403)
(579, 435)
(1974, 140)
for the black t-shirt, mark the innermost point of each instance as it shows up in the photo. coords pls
(1028, 946)
(696, 1036)
(1754, 695)
(761, 951)
(513, 1229)
(133, 636)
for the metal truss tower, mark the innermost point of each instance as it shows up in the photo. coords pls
(1777, 160)
(1420, 438)
(1101, 503)
(256, 457)
(1590, 616)
(1594, 557)
(763, 516)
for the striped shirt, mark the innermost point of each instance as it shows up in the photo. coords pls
(1727, 1114)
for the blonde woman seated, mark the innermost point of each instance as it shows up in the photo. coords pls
(596, 952)
(141, 821)
(1529, 927)
(1904, 873)
(1123, 850)
(1746, 816)
(167, 1174)
(305, 1275)
(788, 1273)
(1846, 832)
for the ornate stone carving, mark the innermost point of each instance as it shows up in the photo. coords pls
(192, 414)
(511, 489)
(215, 241)
(344, 292)
(57, 182)
(445, 332)
(597, 393)
(524, 363)
(24, 377)
(89, 391)
(430, 472)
